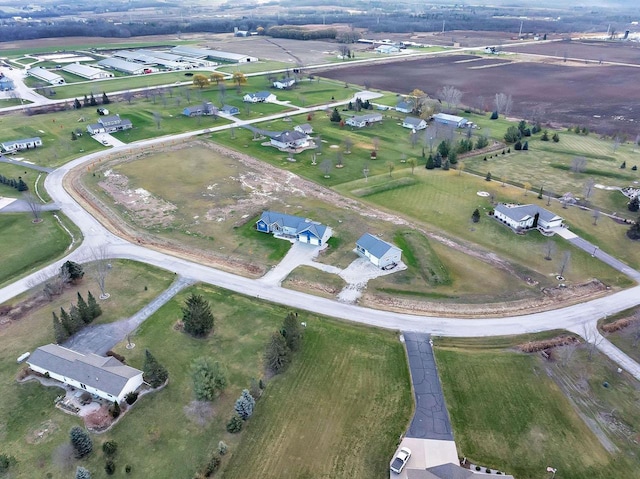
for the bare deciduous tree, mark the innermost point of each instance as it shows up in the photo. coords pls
(128, 96)
(451, 96)
(348, 144)
(157, 117)
(578, 164)
(549, 250)
(564, 264)
(587, 189)
(34, 206)
(390, 167)
(376, 143)
(101, 266)
(326, 166)
(596, 216)
(592, 339)
(365, 171)
(503, 103)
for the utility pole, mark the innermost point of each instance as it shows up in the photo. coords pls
(442, 26)
(520, 34)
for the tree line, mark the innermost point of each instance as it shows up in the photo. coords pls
(18, 184)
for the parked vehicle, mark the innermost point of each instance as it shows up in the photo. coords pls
(401, 459)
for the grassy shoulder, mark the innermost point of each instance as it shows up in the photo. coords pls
(47, 240)
(311, 280)
(28, 176)
(509, 413)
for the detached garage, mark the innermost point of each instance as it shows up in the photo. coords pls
(379, 252)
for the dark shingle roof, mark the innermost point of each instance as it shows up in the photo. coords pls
(374, 245)
(412, 120)
(104, 373)
(521, 212)
(300, 224)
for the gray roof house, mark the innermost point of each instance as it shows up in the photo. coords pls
(109, 124)
(23, 144)
(289, 139)
(291, 227)
(230, 109)
(305, 128)
(525, 217)
(105, 377)
(205, 108)
(379, 252)
(414, 123)
(404, 106)
(259, 97)
(360, 121)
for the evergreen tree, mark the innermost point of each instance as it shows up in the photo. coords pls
(209, 378)
(235, 424)
(555, 138)
(522, 126)
(82, 473)
(430, 165)
(76, 319)
(83, 308)
(443, 148)
(66, 322)
(245, 404)
(92, 100)
(540, 193)
(153, 372)
(488, 177)
(81, 442)
(277, 355)
(59, 331)
(545, 136)
(518, 146)
(335, 116)
(74, 137)
(475, 217)
(85, 101)
(94, 308)
(525, 146)
(76, 104)
(494, 116)
(292, 332)
(453, 158)
(21, 186)
(634, 231)
(437, 160)
(197, 317)
(105, 99)
(72, 271)
(634, 204)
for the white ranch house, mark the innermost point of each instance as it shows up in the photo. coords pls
(19, 145)
(293, 228)
(526, 217)
(414, 123)
(290, 139)
(379, 252)
(106, 377)
(259, 97)
(284, 83)
(109, 124)
(360, 121)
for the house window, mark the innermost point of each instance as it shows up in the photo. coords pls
(83, 386)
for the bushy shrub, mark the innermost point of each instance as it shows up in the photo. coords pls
(6, 461)
(110, 467)
(110, 448)
(212, 465)
(114, 410)
(81, 442)
(222, 448)
(131, 397)
(119, 357)
(235, 424)
(127, 469)
(494, 115)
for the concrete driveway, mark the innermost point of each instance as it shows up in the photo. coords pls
(107, 140)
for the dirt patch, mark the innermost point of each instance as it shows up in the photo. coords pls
(42, 433)
(199, 412)
(99, 419)
(309, 286)
(621, 324)
(535, 346)
(145, 208)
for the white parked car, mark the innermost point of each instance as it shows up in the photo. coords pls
(401, 459)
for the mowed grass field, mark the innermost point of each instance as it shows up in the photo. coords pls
(28, 408)
(28, 176)
(26, 246)
(356, 407)
(508, 414)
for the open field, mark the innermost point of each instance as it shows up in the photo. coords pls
(29, 408)
(154, 435)
(28, 176)
(46, 241)
(627, 338)
(592, 50)
(509, 410)
(605, 89)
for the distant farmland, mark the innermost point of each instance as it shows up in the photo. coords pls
(598, 96)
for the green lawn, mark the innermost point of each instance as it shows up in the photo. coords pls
(254, 67)
(356, 407)
(28, 176)
(46, 241)
(311, 280)
(6, 102)
(508, 414)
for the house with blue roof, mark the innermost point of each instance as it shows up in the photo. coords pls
(293, 228)
(206, 108)
(230, 110)
(259, 97)
(379, 252)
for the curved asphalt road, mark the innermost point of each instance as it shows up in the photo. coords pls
(580, 318)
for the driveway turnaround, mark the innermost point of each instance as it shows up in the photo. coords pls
(100, 339)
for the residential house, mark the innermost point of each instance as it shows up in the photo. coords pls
(387, 49)
(293, 228)
(404, 106)
(86, 71)
(19, 145)
(446, 471)
(203, 109)
(414, 123)
(289, 139)
(525, 217)
(379, 252)
(6, 84)
(109, 124)
(360, 121)
(105, 377)
(305, 128)
(45, 75)
(284, 83)
(230, 110)
(259, 97)
(450, 120)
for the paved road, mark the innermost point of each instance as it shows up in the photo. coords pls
(101, 338)
(430, 418)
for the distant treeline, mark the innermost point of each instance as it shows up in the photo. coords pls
(283, 26)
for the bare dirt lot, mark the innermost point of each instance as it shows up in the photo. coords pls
(600, 97)
(595, 51)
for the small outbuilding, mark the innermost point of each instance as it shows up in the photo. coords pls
(450, 120)
(305, 128)
(105, 377)
(284, 83)
(414, 123)
(378, 251)
(230, 110)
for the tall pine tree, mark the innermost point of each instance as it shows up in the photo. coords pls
(105, 99)
(292, 332)
(277, 356)
(66, 321)
(94, 308)
(76, 319)
(83, 309)
(197, 317)
(59, 331)
(154, 373)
